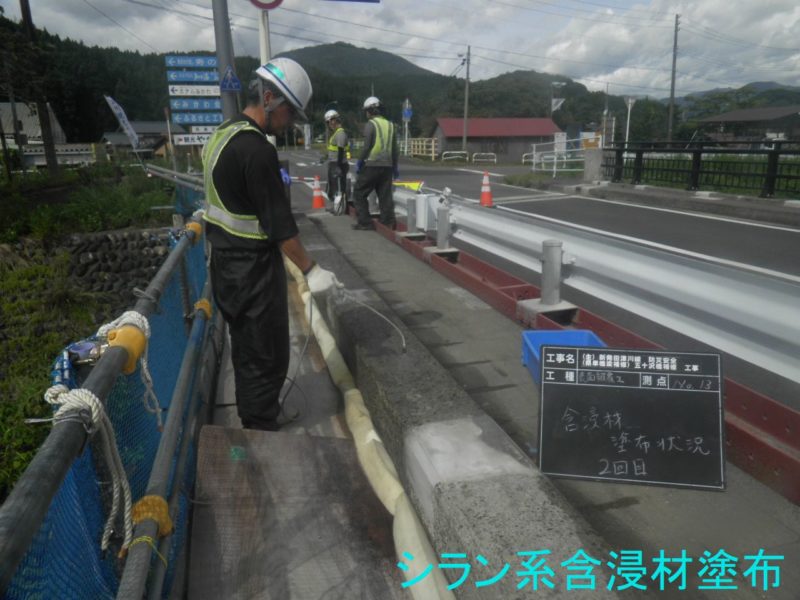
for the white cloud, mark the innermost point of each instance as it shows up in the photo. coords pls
(721, 42)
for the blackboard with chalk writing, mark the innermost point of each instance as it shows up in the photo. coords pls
(633, 416)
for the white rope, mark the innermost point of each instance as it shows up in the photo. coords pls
(131, 317)
(80, 400)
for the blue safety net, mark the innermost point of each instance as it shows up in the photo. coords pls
(187, 201)
(65, 560)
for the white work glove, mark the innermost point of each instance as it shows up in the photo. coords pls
(321, 280)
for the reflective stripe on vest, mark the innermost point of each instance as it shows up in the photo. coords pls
(382, 148)
(246, 226)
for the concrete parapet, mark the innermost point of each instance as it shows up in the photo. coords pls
(475, 491)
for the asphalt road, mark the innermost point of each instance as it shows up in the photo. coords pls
(748, 243)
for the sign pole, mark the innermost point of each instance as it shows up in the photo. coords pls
(263, 36)
(170, 145)
(222, 36)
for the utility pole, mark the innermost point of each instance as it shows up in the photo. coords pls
(41, 100)
(629, 101)
(672, 84)
(222, 37)
(466, 105)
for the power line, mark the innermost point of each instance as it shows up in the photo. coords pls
(615, 7)
(637, 22)
(118, 24)
(713, 35)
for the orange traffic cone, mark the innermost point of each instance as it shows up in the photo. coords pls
(486, 191)
(317, 201)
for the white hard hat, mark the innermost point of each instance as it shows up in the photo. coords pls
(292, 81)
(331, 114)
(371, 102)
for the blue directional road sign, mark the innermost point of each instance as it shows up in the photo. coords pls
(197, 118)
(195, 104)
(191, 61)
(193, 76)
(230, 83)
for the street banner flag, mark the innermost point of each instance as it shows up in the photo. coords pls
(123, 121)
(555, 104)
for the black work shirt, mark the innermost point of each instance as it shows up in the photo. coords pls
(248, 181)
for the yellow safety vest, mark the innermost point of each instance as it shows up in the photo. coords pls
(334, 148)
(384, 134)
(246, 226)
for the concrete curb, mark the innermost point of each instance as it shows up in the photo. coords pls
(476, 492)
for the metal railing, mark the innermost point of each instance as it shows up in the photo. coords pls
(66, 154)
(767, 167)
(699, 296)
(426, 147)
(188, 180)
(551, 157)
(455, 155)
(478, 157)
(25, 509)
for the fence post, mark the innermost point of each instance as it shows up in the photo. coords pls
(442, 227)
(619, 164)
(694, 176)
(638, 165)
(772, 171)
(551, 272)
(411, 215)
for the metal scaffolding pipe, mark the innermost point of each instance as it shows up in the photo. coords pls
(23, 512)
(137, 564)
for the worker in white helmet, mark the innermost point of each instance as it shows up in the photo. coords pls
(338, 153)
(376, 167)
(250, 227)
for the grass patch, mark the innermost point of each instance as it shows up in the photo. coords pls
(41, 309)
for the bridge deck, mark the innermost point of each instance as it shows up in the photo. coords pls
(288, 514)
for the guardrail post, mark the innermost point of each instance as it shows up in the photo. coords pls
(551, 271)
(442, 227)
(411, 215)
(638, 166)
(694, 176)
(772, 171)
(619, 164)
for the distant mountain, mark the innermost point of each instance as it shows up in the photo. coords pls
(762, 94)
(74, 78)
(764, 86)
(345, 60)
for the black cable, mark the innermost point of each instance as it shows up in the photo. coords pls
(291, 380)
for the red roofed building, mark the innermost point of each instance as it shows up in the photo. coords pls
(508, 138)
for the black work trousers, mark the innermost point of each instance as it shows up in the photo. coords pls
(380, 180)
(337, 179)
(250, 290)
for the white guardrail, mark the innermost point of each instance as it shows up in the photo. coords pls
(748, 313)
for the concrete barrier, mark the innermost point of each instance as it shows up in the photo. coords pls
(475, 491)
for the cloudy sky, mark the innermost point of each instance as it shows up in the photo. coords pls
(624, 44)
